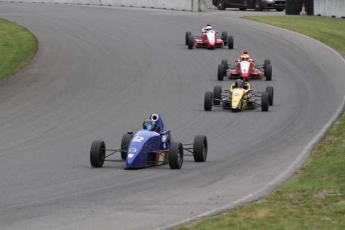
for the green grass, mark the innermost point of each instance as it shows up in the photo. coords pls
(314, 199)
(17, 46)
(330, 31)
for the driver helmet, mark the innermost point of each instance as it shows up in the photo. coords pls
(245, 52)
(208, 28)
(245, 57)
(149, 125)
(241, 78)
(239, 83)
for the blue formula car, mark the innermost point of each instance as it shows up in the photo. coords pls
(150, 146)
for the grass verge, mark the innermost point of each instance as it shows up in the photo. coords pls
(314, 198)
(17, 47)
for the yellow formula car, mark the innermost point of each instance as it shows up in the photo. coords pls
(239, 97)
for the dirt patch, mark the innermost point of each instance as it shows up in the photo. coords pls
(326, 193)
(342, 202)
(262, 213)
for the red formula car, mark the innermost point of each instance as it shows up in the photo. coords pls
(245, 68)
(209, 39)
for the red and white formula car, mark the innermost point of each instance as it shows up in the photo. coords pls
(245, 68)
(209, 39)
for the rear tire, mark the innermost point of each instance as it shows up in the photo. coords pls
(270, 91)
(200, 148)
(187, 37)
(217, 93)
(190, 42)
(208, 101)
(268, 73)
(264, 101)
(175, 155)
(220, 73)
(230, 42)
(97, 153)
(126, 139)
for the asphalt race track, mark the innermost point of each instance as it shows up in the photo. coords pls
(101, 71)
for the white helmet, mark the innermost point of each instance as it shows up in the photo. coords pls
(208, 28)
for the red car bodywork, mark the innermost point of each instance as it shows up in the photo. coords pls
(208, 40)
(246, 69)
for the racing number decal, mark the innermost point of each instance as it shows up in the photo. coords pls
(138, 139)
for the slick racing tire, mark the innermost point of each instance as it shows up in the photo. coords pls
(220, 73)
(125, 141)
(200, 148)
(97, 153)
(175, 155)
(187, 37)
(230, 42)
(190, 42)
(225, 37)
(264, 102)
(217, 94)
(270, 91)
(268, 73)
(208, 101)
(266, 63)
(225, 63)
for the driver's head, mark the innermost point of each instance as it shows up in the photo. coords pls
(149, 125)
(245, 57)
(208, 28)
(241, 78)
(245, 52)
(239, 83)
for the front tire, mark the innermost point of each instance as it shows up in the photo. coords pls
(190, 42)
(225, 37)
(97, 153)
(187, 37)
(200, 148)
(270, 91)
(230, 42)
(266, 63)
(225, 64)
(264, 102)
(125, 141)
(208, 101)
(268, 73)
(175, 155)
(220, 73)
(217, 94)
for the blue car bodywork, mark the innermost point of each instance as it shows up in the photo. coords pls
(150, 148)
